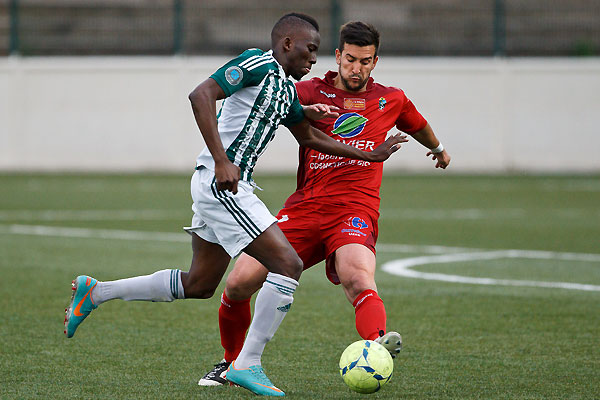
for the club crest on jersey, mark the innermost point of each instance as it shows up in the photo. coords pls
(234, 75)
(382, 103)
(349, 125)
(356, 222)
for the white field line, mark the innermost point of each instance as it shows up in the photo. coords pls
(90, 215)
(163, 214)
(58, 231)
(457, 214)
(400, 267)
(42, 230)
(480, 213)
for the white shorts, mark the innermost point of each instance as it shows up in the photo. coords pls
(233, 221)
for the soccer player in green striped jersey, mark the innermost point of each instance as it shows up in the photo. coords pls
(228, 217)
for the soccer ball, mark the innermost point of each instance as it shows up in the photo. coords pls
(366, 366)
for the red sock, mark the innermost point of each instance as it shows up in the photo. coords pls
(234, 321)
(370, 315)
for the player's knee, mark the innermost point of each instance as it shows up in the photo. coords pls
(358, 283)
(286, 263)
(237, 288)
(293, 266)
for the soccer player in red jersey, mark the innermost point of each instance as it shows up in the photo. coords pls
(333, 213)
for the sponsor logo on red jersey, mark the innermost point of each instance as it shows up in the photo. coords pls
(355, 104)
(349, 125)
(356, 222)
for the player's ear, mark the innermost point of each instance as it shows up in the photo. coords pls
(287, 43)
(338, 56)
(375, 61)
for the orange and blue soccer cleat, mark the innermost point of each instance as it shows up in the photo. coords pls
(81, 303)
(253, 379)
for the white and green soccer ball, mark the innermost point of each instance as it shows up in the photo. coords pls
(366, 366)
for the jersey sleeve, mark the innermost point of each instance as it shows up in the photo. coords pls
(410, 120)
(234, 76)
(296, 113)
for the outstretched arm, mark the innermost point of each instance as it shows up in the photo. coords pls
(427, 138)
(203, 99)
(308, 136)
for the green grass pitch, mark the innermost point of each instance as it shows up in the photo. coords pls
(462, 340)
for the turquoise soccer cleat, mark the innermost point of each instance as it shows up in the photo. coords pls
(253, 379)
(81, 303)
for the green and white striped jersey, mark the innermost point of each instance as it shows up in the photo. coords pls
(259, 98)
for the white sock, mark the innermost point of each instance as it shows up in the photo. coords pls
(162, 285)
(273, 302)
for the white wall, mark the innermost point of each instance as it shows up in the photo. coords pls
(131, 114)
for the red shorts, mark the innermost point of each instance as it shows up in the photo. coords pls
(316, 232)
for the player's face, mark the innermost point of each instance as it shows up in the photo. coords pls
(303, 52)
(356, 64)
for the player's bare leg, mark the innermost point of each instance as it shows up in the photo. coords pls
(209, 263)
(272, 249)
(246, 278)
(355, 266)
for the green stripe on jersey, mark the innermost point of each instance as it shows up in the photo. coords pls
(269, 108)
(260, 98)
(265, 129)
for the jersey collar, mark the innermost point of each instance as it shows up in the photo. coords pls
(270, 52)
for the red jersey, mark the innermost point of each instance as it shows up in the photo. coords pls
(364, 121)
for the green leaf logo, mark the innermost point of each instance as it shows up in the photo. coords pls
(349, 125)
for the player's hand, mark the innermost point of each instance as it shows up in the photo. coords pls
(387, 148)
(443, 159)
(227, 176)
(320, 111)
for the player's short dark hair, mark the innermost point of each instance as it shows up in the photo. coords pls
(291, 21)
(289, 18)
(359, 34)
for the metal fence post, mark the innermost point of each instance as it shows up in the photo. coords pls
(499, 28)
(13, 45)
(336, 21)
(177, 26)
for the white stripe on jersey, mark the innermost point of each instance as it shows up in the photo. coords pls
(263, 62)
(259, 61)
(249, 59)
(257, 58)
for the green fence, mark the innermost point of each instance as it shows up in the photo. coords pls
(409, 27)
